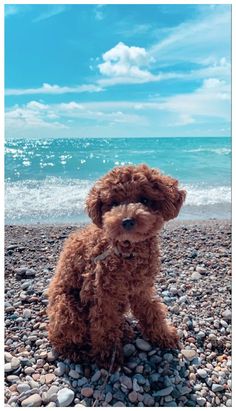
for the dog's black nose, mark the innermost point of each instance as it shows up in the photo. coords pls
(128, 223)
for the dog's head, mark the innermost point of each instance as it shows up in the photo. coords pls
(133, 202)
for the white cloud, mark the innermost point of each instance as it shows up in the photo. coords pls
(212, 99)
(53, 10)
(199, 40)
(125, 62)
(99, 14)
(54, 89)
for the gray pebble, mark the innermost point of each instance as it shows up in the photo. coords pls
(163, 392)
(202, 373)
(65, 396)
(142, 344)
(217, 387)
(128, 350)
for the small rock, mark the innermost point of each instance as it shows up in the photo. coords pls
(74, 374)
(32, 401)
(202, 373)
(22, 387)
(27, 313)
(201, 401)
(163, 392)
(15, 363)
(227, 315)
(65, 396)
(119, 404)
(201, 270)
(189, 354)
(128, 350)
(133, 396)
(196, 276)
(87, 392)
(29, 370)
(142, 344)
(148, 400)
(96, 376)
(217, 387)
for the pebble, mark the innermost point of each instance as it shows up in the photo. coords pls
(133, 397)
(189, 354)
(201, 401)
(217, 387)
(119, 404)
(196, 276)
(96, 376)
(74, 374)
(22, 387)
(87, 392)
(163, 392)
(143, 345)
(227, 315)
(128, 350)
(65, 396)
(202, 373)
(32, 401)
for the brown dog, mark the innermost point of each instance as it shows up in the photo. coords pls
(111, 265)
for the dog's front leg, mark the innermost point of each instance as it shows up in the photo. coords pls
(107, 318)
(151, 314)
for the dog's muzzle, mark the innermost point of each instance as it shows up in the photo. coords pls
(128, 223)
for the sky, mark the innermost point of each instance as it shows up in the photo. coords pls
(117, 70)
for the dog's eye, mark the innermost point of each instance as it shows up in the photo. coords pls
(114, 203)
(144, 200)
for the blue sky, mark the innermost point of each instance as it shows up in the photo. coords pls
(117, 70)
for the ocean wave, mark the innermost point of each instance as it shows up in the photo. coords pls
(198, 196)
(220, 151)
(48, 200)
(55, 199)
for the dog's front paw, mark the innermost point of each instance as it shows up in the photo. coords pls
(165, 336)
(109, 359)
(168, 338)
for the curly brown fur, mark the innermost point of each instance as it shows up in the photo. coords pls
(110, 266)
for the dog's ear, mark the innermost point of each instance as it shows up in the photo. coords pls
(94, 206)
(171, 198)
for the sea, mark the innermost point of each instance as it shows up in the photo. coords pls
(46, 181)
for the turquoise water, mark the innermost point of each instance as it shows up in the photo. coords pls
(48, 180)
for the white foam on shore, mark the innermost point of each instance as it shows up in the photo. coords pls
(55, 199)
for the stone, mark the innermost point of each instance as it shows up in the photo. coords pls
(227, 315)
(87, 392)
(196, 276)
(22, 387)
(96, 376)
(15, 363)
(49, 378)
(65, 396)
(217, 387)
(142, 344)
(163, 392)
(201, 401)
(126, 381)
(201, 270)
(202, 373)
(148, 400)
(32, 401)
(74, 374)
(189, 354)
(133, 396)
(119, 404)
(29, 370)
(128, 350)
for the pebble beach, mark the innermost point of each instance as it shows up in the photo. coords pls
(195, 284)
